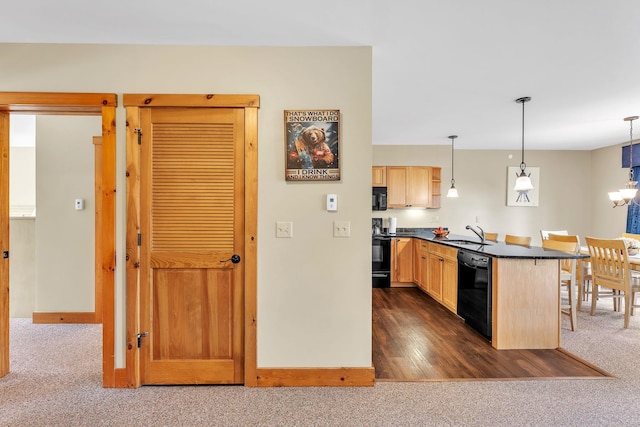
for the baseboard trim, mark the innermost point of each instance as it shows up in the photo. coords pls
(78, 317)
(315, 377)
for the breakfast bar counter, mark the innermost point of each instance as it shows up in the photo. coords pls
(525, 291)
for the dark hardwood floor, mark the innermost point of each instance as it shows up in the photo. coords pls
(417, 339)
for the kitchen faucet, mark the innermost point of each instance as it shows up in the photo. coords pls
(480, 235)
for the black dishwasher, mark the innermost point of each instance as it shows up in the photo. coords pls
(474, 291)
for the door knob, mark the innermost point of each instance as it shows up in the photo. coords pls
(234, 259)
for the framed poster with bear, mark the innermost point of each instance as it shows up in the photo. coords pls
(311, 145)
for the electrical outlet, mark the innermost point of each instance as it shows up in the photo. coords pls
(341, 229)
(284, 229)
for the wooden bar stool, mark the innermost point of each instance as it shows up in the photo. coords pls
(511, 239)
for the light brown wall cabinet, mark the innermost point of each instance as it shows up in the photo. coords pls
(379, 176)
(402, 261)
(413, 186)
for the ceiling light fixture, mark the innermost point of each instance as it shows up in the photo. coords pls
(627, 195)
(453, 192)
(523, 182)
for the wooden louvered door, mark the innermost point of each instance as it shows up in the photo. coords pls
(192, 224)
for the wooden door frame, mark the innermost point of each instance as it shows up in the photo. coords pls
(79, 104)
(250, 104)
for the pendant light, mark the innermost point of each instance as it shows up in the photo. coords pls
(627, 195)
(453, 192)
(523, 182)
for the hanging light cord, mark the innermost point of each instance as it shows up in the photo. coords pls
(453, 181)
(523, 165)
(631, 150)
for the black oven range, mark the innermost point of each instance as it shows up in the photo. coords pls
(380, 255)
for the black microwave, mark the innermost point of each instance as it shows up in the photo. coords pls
(379, 199)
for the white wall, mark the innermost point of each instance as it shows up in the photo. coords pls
(314, 291)
(65, 241)
(573, 191)
(22, 181)
(22, 272)
(607, 175)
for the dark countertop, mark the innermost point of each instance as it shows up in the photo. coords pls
(492, 249)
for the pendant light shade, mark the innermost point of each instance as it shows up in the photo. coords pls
(523, 182)
(627, 195)
(453, 192)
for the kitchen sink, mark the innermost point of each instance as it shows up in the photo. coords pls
(467, 242)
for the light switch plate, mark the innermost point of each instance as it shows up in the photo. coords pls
(284, 229)
(341, 229)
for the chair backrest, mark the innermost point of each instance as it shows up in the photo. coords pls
(609, 263)
(491, 236)
(564, 237)
(569, 245)
(545, 233)
(631, 236)
(517, 240)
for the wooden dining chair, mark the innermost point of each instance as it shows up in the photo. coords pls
(583, 268)
(491, 236)
(611, 269)
(631, 236)
(567, 276)
(517, 240)
(545, 233)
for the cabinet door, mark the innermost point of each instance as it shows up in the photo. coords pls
(402, 269)
(379, 176)
(435, 276)
(396, 186)
(416, 262)
(450, 284)
(424, 271)
(418, 186)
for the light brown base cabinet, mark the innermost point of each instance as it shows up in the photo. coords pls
(402, 262)
(420, 264)
(435, 271)
(443, 275)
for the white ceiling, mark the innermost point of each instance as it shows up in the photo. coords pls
(440, 67)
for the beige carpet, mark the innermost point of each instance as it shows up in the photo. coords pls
(56, 381)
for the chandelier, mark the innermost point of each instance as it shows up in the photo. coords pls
(627, 195)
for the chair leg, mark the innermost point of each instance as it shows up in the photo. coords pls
(580, 291)
(594, 297)
(627, 309)
(572, 304)
(587, 287)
